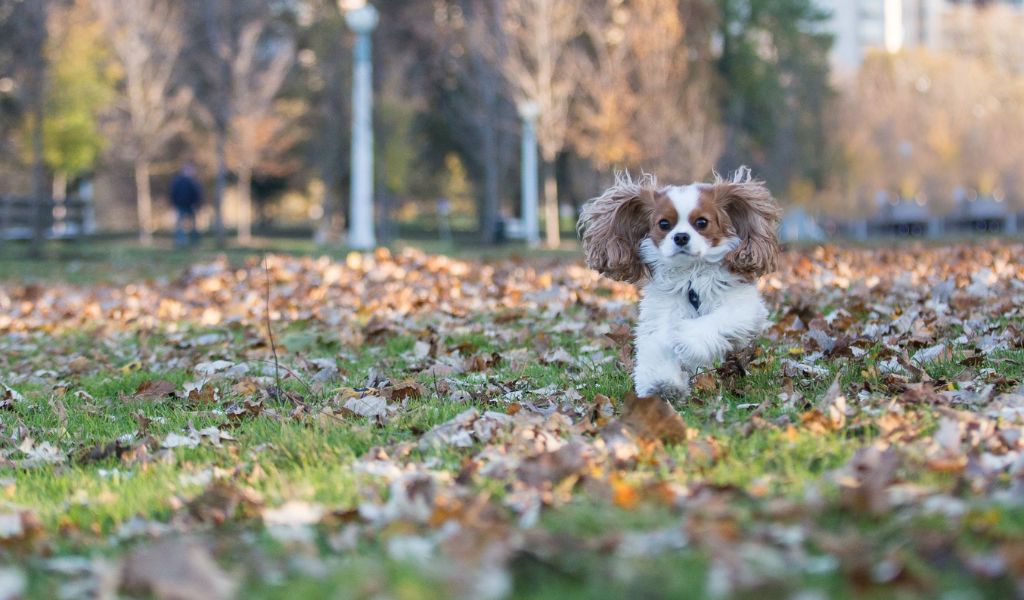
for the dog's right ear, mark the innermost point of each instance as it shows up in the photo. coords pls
(613, 225)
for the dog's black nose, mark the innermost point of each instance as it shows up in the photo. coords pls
(681, 239)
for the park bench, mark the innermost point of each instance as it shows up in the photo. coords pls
(64, 219)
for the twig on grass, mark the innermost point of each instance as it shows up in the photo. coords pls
(270, 331)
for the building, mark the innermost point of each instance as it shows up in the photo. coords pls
(864, 26)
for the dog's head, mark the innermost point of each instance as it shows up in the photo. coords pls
(635, 224)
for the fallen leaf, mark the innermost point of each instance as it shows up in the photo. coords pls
(403, 390)
(37, 455)
(863, 481)
(178, 568)
(938, 352)
(154, 390)
(367, 406)
(558, 356)
(653, 418)
(200, 392)
(9, 397)
(223, 501)
(704, 382)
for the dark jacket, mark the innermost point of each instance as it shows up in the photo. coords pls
(186, 195)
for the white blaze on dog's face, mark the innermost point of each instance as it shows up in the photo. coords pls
(687, 224)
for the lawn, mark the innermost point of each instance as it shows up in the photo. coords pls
(412, 425)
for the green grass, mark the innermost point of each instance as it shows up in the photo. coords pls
(82, 505)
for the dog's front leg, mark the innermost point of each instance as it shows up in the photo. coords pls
(700, 341)
(657, 371)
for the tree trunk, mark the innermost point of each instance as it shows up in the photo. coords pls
(59, 208)
(41, 219)
(551, 227)
(489, 214)
(324, 232)
(60, 186)
(244, 204)
(327, 230)
(37, 100)
(218, 190)
(144, 201)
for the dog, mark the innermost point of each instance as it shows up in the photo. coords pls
(697, 252)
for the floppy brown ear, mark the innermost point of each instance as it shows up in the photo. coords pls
(755, 218)
(612, 226)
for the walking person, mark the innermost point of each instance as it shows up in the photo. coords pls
(186, 197)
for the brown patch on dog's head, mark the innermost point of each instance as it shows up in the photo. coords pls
(664, 216)
(709, 219)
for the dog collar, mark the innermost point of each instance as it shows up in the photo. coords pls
(694, 299)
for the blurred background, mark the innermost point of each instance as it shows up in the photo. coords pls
(487, 121)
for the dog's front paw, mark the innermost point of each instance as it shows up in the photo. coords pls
(692, 354)
(673, 392)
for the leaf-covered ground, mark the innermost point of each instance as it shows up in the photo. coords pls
(437, 427)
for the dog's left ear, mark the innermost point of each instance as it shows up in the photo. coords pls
(755, 217)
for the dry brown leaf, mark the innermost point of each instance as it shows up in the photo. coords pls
(199, 393)
(653, 418)
(403, 390)
(223, 501)
(830, 414)
(704, 382)
(176, 568)
(863, 481)
(553, 467)
(154, 390)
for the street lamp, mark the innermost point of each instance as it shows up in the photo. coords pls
(528, 112)
(361, 18)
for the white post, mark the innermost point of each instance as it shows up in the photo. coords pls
(528, 173)
(362, 21)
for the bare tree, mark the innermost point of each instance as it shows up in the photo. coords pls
(259, 66)
(245, 57)
(540, 67)
(215, 66)
(475, 40)
(147, 38)
(645, 102)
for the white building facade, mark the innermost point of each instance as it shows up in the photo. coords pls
(864, 26)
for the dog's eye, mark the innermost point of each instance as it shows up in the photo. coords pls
(700, 223)
(664, 224)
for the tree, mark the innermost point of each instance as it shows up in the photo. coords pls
(540, 66)
(262, 60)
(245, 57)
(774, 88)
(24, 26)
(82, 87)
(477, 97)
(324, 77)
(645, 101)
(147, 38)
(922, 124)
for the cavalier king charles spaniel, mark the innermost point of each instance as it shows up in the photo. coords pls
(697, 250)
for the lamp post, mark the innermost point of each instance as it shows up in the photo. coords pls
(528, 112)
(361, 18)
